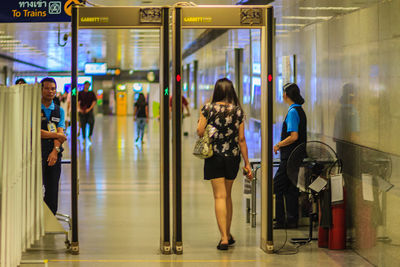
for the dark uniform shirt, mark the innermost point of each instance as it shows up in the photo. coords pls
(55, 116)
(295, 121)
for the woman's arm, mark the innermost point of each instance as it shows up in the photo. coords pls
(201, 125)
(244, 151)
(147, 112)
(286, 142)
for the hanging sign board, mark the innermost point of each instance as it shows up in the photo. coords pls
(119, 17)
(222, 17)
(36, 11)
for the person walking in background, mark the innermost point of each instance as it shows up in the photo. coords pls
(294, 133)
(65, 104)
(56, 99)
(52, 137)
(20, 81)
(141, 116)
(185, 106)
(225, 114)
(87, 100)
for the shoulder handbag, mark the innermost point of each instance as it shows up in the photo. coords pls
(203, 148)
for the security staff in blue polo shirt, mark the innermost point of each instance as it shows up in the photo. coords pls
(294, 133)
(52, 135)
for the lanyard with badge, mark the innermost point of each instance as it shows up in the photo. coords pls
(51, 126)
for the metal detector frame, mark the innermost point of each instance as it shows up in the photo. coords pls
(146, 17)
(225, 17)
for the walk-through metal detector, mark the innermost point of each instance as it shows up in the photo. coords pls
(125, 18)
(225, 17)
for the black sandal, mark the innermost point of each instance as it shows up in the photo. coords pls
(231, 241)
(222, 246)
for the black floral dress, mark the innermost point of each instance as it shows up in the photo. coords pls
(226, 118)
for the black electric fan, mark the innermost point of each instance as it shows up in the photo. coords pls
(306, 163)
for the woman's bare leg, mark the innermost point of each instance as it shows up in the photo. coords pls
(218, 185)
(228, 186)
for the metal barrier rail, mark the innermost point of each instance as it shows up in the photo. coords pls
(251, 203)
(21, 200)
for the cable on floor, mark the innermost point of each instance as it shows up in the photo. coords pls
(288, 251)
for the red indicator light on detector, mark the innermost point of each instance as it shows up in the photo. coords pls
(178, 78)
(269, 77)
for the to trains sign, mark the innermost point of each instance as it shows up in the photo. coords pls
(36, 11)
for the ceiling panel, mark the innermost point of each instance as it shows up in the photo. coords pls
(294, 14)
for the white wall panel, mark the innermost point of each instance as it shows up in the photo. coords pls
(348, 69)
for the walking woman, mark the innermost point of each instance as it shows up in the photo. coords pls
(294, 133)
(141, 115)
(225, 114)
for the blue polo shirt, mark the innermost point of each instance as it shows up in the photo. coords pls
(47, 113)
(293, 119)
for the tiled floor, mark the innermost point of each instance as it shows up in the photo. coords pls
(119, 211)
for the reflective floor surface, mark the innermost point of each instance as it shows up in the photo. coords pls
(119, 210)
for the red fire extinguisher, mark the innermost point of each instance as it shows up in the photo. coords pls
(337, 233)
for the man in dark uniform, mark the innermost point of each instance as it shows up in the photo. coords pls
(87, 100)
(52, 135)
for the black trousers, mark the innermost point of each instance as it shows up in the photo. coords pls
(285, 191)
(84, 119)
(51, 181)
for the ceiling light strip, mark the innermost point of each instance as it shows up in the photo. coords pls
(290, 25)
(330, 8)
(307, 18)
